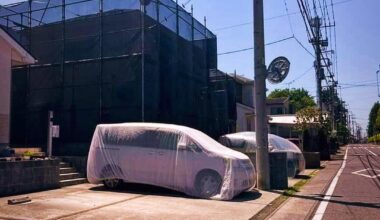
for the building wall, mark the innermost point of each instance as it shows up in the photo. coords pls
(96, 86)
(248, 98)
(5, 89)
(245, 120)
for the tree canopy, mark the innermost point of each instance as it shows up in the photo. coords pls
(298, 98)
(373, 127)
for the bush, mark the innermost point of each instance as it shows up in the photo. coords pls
(374, 139)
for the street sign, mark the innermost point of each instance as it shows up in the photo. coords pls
(278, 70)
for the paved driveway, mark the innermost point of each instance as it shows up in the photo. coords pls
(134, 201)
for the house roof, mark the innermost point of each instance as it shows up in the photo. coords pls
(20, 56)
(241, 79)
(274, 101)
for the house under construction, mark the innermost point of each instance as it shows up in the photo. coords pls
(112, 61)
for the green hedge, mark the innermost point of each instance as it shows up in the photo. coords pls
(374, 139)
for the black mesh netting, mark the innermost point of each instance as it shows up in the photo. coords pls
(89, 70)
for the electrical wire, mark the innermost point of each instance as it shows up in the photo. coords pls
(251, 48)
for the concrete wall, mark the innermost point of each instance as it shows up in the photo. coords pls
(28, 176)
(5, 90)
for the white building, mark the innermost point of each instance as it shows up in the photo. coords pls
(245, 111)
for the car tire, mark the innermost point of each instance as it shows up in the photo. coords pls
(108, 175)
(112, 183)
(208, 183)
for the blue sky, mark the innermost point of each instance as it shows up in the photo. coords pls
(357, 25)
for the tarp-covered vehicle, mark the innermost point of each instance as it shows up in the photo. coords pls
(245, 142)
(170, 156)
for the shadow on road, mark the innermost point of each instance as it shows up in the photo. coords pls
(319, 197)
(302, 177)
(155, 190)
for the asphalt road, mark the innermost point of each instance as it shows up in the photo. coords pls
(357, 192)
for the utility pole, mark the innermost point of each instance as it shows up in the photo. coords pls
(262, 156)
(316, 24)
(142, 8)
(377, 77)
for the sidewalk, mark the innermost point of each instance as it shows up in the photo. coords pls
(303, 204)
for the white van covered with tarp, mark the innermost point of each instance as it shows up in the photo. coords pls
(245, 142)
(170, 156)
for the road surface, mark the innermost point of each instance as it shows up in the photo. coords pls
(357, 192)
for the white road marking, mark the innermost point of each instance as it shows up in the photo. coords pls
(323, 205)
(365, 175)
(371, 152)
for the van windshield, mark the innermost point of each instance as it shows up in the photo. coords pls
(210, 145)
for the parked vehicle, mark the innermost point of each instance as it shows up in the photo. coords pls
(170, 156)
(245, 142)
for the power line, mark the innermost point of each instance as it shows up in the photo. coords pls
(271, 18)
(308, 51)
(302, 75)
(251, 48)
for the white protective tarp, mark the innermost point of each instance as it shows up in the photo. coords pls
(170, 156)
(246, 142)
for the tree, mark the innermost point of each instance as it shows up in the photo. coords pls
(298, 98)
(309, 119)
(376, 127)
(372, 119)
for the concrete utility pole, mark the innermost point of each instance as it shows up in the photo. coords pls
(143, 7)
(262, 156)
(318, 67)
(377, 77)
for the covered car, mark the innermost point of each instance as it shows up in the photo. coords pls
(170, 156)
(245, 142)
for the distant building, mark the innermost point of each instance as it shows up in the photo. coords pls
(11, 54)
(245, 108)
(283, 126)
(281, 118)
(278, 106)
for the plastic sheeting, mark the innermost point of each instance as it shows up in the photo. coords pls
(170, 156)
(246, 142)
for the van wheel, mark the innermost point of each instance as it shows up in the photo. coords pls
(109, 173)
(208, 183)
(112, 183)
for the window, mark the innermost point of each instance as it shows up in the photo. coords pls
(126, 137)
(276, 111)
(167, 140)
(193, 147)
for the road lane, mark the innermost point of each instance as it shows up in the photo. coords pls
(357, 193)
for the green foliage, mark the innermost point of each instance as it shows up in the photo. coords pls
(374, 139)
(373, 115)
(28, 154)
(298, 98)
(309, 117)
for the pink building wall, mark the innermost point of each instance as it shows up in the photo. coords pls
(5, 89)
